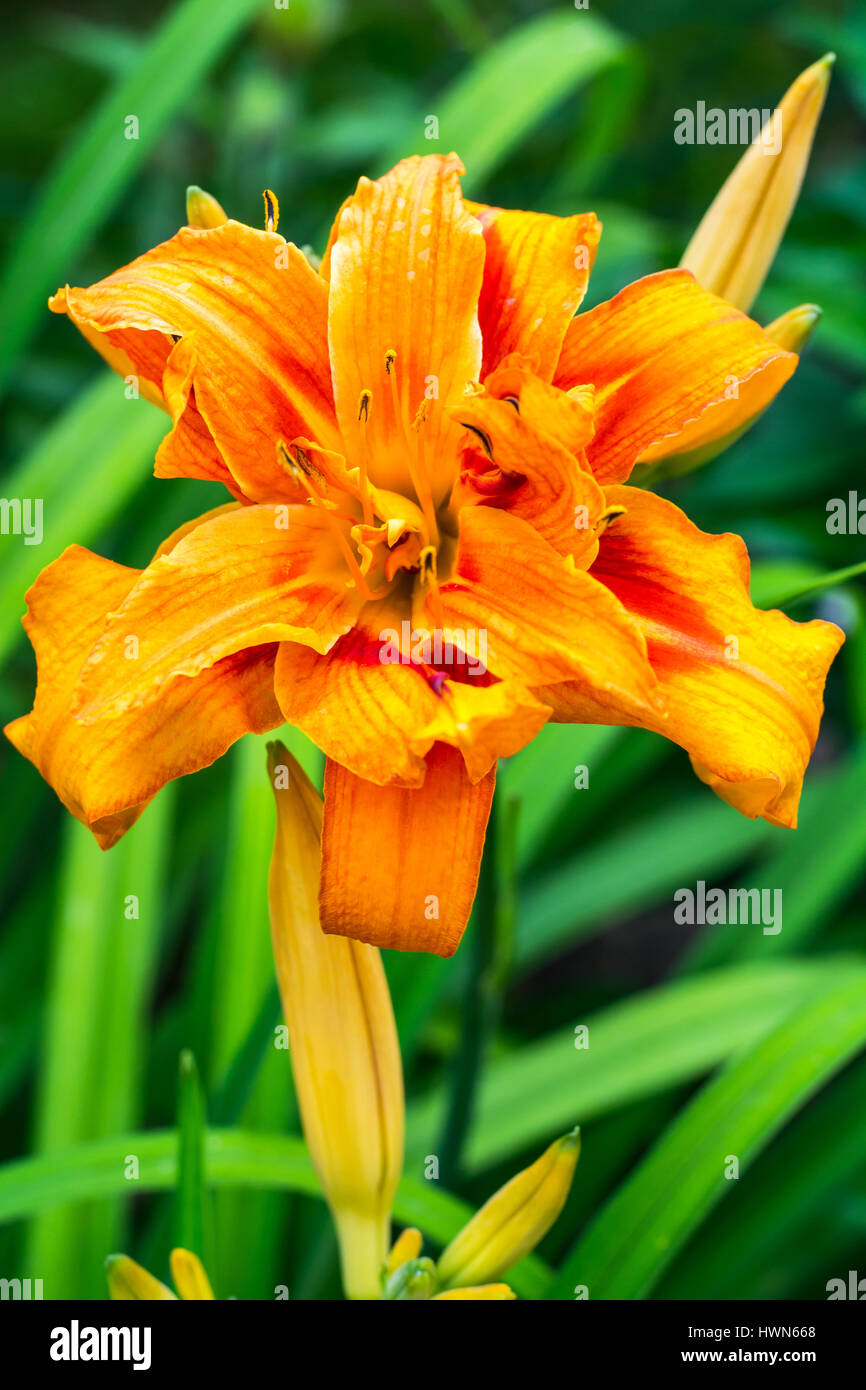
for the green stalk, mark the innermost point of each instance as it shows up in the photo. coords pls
(491, 942)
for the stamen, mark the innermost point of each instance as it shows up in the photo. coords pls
(371, 595)
(303, 463)
(427, 562)
(485, 441)
(421, 415)
(358, 578)
(420, 481)
(427, 575)
(301, 467)
(609, 515)
(365, 400)
(272, 211)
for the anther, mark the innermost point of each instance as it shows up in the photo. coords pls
(427, 563)
(364, 403)
(610, 514)
(485, 441)
(390, 359)
(272, 211)
(303, 462)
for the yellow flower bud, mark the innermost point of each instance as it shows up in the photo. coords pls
(202, 209)
(187, 1272)
(343, 1039)
(412, 1282)
(491, 1293)
(513, 1221)
(794, 329)
(406, 1247)
(734, 245)
(129, 1282)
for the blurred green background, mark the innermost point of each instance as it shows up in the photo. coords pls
(704, 1042)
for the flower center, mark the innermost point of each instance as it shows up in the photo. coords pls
(385, 536)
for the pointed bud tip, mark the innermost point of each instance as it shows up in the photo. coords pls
(278, 755)
(571, 1140)
(413, 1281)
(202, 209)
(823, 69)
(793, 329)
(188, 1273)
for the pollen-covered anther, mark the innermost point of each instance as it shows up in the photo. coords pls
(421, 414)
(390, 360)
(305, 474)
(365, 400)
(484, 439)
(608, 516)
(272, 210)
(427, 564)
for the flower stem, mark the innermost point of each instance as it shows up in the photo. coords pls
(490, 939)
(363, 1241)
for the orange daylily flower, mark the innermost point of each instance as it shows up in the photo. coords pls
(432, 547)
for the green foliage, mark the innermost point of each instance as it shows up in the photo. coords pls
(702, 1042)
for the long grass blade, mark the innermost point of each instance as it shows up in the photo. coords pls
(626, 1250)
(92, 174)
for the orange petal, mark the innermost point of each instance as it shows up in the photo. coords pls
(536, 270)
(485, 722)
(251, 576)
(371, 707)
(400, 866)
(742, 688)
(542, 620)
(360, 711)
(668, 361)
(187, 527)
(526, 454)
(252, 360)
(106, 775)
(325, 267)
(405, 276)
